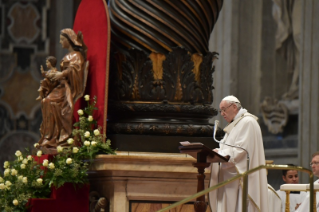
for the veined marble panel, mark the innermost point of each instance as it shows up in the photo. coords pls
(137, 176)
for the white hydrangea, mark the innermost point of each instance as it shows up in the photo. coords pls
(87, 134)
(75, 150)
(45, 163)
(39, 181)
(80, 112)
(2, 186)
(96, 132)
(51, 166)
(69, 160)
(25, 180)
(6, 172)
(25, 161)
(59, 149)
(39, 153)
(6, 164)
(70, 141)
(18, 153)
(14, 172)
(15, 202)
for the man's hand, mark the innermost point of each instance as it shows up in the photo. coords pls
(297, 206)
(216, 150)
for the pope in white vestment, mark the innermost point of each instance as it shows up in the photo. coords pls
(243, 130)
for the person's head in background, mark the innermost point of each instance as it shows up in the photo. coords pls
(314, 164)
(290, 176)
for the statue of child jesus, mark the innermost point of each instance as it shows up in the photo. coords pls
(46, 85)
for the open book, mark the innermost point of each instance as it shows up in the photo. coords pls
(187, 143)
(193, 149)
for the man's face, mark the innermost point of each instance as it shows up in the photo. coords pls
(315, 165)
(228, 110)
(291, 177)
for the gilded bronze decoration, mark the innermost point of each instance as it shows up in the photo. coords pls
(156, 86)
(161, 71)
(160, 25)
(176, 77)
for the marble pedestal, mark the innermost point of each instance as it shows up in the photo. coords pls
(130, 179)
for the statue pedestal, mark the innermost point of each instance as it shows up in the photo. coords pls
(145, 181)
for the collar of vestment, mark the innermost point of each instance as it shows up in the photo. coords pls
(242, 113)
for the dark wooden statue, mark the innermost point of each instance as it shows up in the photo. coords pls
(66, 86)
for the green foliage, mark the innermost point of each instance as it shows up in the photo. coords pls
(25, 178)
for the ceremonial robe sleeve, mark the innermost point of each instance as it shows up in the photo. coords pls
(243, 136)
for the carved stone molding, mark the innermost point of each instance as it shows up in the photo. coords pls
(97, 203)
(162, 107)
(275, 114)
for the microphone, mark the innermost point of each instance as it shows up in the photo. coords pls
(215, 130)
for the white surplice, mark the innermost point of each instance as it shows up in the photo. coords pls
(294, 199)
(304, 207)
(245, 132)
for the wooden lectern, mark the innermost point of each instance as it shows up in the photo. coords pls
(200, 152)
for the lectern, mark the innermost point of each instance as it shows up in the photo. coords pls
(201, 152)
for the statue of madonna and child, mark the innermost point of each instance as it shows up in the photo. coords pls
(59, 90)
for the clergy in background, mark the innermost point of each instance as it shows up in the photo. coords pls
(304, 206)
(242, 130)
(295, 198)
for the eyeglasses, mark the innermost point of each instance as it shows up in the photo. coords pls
(314, 163)
(224, 110)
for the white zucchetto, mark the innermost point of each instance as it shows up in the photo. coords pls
(231, 98)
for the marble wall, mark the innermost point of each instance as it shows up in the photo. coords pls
(251, 67)
(29, 32)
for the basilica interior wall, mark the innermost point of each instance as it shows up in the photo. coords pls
(249, 67)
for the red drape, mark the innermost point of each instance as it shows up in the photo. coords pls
(92, 19)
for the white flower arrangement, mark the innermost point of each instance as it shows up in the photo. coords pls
(26, 177)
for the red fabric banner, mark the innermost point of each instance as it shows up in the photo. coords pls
(92, 19)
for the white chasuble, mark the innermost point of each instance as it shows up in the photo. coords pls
(245, 132)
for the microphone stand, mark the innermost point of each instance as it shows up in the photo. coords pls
(245, 177)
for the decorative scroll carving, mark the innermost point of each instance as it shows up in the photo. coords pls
(287, 16)
(275, 115)
(97, 203)
(136, 78)
(178, 75)
(161, 75)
